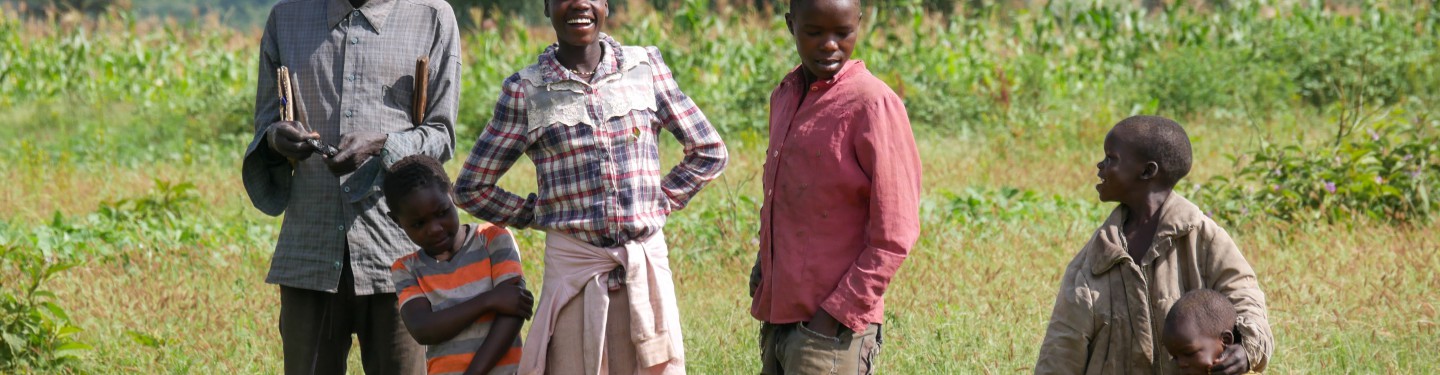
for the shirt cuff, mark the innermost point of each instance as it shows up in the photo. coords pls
(388, 156)
(833, 306)
(1250, 341)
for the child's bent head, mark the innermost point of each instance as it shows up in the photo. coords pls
(825, 32)
(1197, 329)
(418, 193)
(1143, 153)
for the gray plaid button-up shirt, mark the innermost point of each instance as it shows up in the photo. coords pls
(355, 70)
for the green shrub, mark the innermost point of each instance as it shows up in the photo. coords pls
(1191, 80)
(1377, 56)
(35, 333)
(1388, 172)
(980, 207)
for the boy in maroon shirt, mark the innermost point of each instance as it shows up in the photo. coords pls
(841, 211)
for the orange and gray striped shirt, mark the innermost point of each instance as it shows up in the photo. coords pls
(487, 259)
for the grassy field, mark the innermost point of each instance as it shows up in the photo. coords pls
(123, 138)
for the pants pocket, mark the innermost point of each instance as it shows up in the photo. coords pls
(869, 352)
(807, 332)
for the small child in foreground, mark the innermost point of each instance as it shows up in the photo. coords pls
(1199, 327)
(461, 295)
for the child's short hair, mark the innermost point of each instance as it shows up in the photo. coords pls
(413, 173)
(796, 4)
(1161, 140)
(1207, 310)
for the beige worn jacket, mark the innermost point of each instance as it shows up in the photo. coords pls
(1111, 309)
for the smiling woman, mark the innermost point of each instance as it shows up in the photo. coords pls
(602, 199)
(577, 26)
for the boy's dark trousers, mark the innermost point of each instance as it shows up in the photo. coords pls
(794, 349)
(315, 329)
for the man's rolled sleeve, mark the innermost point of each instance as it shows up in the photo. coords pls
(885, 148)
(705, 153)
(435, 135)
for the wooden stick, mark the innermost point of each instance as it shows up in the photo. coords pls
(280, 90)
(422, 89)
(287, 95)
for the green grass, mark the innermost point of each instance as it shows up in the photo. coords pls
(1353, 297)
(171, 280)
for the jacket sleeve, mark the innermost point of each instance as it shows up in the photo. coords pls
(1065, 349)
(1227, 272)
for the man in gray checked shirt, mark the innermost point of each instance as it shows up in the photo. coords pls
(353, 68)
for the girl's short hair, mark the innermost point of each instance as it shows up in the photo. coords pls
(410, 174)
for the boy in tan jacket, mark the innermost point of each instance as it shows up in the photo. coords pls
(1154, 247)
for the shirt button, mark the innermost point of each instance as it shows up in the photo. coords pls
(340, 228)
(354, 40)
(346, 189)
(812, 88)
(353, 77)
(336, 265)
(349, 113)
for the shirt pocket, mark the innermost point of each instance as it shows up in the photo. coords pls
(559, 119)
(400, 96)
(632, 97)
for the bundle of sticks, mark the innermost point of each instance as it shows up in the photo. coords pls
(291, 105)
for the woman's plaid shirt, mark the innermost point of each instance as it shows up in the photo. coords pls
(594, 145)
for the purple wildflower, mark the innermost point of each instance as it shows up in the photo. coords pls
(1329, 186)
(1379, 180)
(1415, 173)
(1373, 135)
(1407, 157)
(1275, 187)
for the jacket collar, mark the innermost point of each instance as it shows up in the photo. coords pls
(1178, 217)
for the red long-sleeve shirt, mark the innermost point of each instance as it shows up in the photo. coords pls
(842, 192)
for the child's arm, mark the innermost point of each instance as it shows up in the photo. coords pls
(496, 150)
(884, 147)
(1067, 339)
(503, 331)
(504, 267)
(1226, 271)
(705, 154)
(434, 327)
